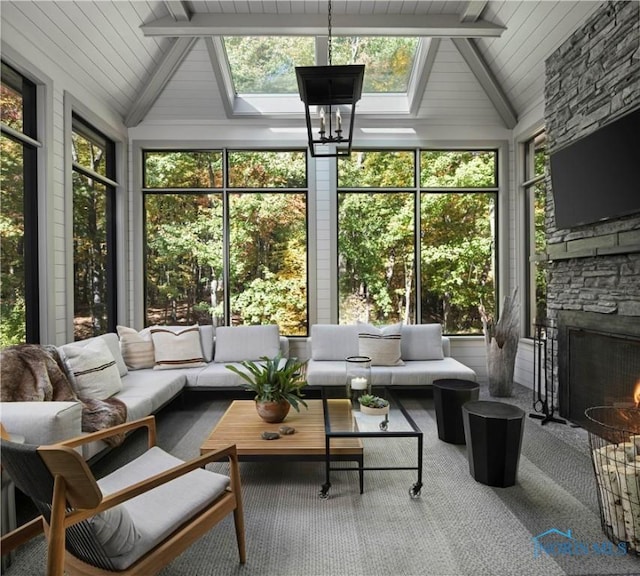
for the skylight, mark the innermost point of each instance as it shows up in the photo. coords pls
(261, 77)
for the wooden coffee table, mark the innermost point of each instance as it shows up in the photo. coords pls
(241, 425)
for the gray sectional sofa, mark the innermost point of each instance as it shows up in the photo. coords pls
(144, 390)
(422, 354)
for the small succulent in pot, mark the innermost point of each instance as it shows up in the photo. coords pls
(371, 401)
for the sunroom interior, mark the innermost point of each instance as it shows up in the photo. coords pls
(156, 166)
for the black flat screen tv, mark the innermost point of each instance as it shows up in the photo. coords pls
(598, 177)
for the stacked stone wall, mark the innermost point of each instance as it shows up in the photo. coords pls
(591, 80)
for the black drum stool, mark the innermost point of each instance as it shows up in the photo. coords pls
(448, 397)
(494, 437)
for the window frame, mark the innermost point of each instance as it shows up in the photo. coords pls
(417, 189)
(87, 130)
(226, 190)
(28, 139)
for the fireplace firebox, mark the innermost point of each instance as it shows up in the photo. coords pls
(598, 362)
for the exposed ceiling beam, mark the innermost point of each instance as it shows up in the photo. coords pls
(422, 70)
(472, 56)
(179, 10)
(473, 10)
(215, 48)
(161, 75)
(437, 25)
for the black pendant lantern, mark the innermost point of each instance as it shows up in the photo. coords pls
(335, 90)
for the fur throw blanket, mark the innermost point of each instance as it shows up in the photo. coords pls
(34, 373)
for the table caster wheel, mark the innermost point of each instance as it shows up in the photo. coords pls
(324, 492)
(415, 490)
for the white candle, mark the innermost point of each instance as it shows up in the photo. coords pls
(358, 383)
(322, 120)
(338, 120)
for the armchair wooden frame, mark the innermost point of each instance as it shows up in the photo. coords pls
(77, 497)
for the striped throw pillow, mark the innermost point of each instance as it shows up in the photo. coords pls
(177, 349)
(383, 350)
(93, 370)
(136, 348)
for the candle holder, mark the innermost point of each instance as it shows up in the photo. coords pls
(358, 378)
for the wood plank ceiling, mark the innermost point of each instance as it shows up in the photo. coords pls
(155, 61)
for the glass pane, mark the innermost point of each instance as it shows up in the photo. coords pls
(267, 169)
(458, 259)
(266, 64)
(89, 257)
(268, 260)
(376, 263)
(184, 271)
(12, 288)
(539, 204)
(377, 169)
(89, 154)
(464, 169)
(540, 154)
(11, 106)
(388, 61)
(183, 169)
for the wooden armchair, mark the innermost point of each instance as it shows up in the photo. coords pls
(136, 520)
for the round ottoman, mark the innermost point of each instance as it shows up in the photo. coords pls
(494, 436)
(449, 395)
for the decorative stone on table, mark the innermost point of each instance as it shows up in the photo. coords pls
(266, 435)
(287, 430)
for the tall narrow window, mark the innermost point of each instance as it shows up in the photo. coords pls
(458, 238)
(376, 237)
(94, 249)
(535, 192)
(19, 297)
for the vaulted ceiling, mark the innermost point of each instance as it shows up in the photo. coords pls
(479, 63)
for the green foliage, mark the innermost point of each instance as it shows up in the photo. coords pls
(274, 379)
(373, 401)
(12, 326)
(267, 169)
(263, 65)
(193, 169)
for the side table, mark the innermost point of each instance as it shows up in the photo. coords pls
(494, 437)
(449, 394)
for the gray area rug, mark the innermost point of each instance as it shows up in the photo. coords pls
(457, 526)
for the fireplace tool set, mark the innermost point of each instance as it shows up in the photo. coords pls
(543, 377)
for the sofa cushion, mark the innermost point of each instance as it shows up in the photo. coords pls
(136, 347)
(92, 370)
(424, 372)
(383, 350)
(238, 343)
(422, 342)
(334, 342)
(177, 349)
(159, 512)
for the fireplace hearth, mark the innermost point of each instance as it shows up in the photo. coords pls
(598, 362)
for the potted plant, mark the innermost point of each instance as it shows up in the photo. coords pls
(277, 383)
(374, 405)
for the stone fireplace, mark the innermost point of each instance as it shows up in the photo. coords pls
(593, 290)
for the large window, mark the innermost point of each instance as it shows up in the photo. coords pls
(535, 157)
(226, 238)
(441, 210)
(94, 249)
(19, 310)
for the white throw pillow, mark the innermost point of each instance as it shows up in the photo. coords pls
(383, 350)
(136, 348)
(422, 342)
(93, 370)
(238, 343)
(388, 330)
(177, 349)
(333, 341)
(111, 338)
